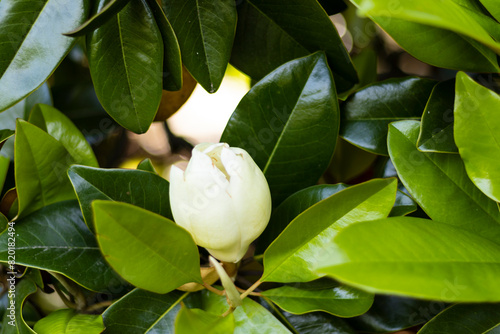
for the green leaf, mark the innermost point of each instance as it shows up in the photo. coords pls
(147, 250)
(365, 63)
(291, 208)
(270, 33)
(422, 258)
(391, 314)
(433, 179)
(56, 124)
(477, 134)
(67, 321)
(112, 8)
(288, 123)
(464, 319)
(449, 23)
(127, 70)
(367, 114)
(141, 312)
(403, 205)
(40, 166)
(342, 301)
(4, 168)
(33, 44)
(205, 30)
(4, 135)
(199, 321)
(349, 161)
(3, 222)
(56, 239)
(172, 62)
(147, 165)
(144, 189)
(318, 322)
(297, 251)
(436, 131)
(15, 324)
(492, 7)
(250, 317)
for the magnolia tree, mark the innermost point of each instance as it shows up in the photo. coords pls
(337, 201)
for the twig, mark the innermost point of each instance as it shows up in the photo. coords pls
(98, 306)
(212, 289)
(250, 289)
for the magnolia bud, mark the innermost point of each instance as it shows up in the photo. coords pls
(222, 199)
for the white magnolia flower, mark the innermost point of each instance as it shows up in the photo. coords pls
(222, 199)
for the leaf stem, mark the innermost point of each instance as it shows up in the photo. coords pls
(98, 306)
(250, 289)
(212, 289)
(258, 294)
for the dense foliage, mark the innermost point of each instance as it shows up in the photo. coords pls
(385, 187)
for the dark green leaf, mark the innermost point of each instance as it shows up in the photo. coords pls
(147, 166)
(172, 63)
(33, 44)
(67, 321)
(126, 59)
(15, 323)
(342, 301)
(112, 8)
(422, 258)
(318, 322)
(4, 135)
(249, 317)
(288, 123)
(191, 321)
(436, 132)
(270, 33)
(391, 314)
(434, 179)
(492, 7)
(40, 164)
(291, 208)
(293, 256)
(132, 238)
(141, 312)
(144, 189)
(4, 168)
(205, 30)
(365, 63)
(403, 205)
(56, 239)
(367, 114)
(349, 161)
(63, 130)
(477, 134)
(464, 319)
(3, 222)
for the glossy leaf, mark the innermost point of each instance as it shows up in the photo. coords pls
(130, 238)
(440, 185)
(464, 319)
(63, 130)
(367, 114)
(436, 131)
(17, 324)
(342, 301)
(205, 30)
(40, 165)
(146, 165)
(144, 189)
(56, 239)
(141, 312)
(127, 70)
(172, 62)
(4, 135)
(477, 134)
(199, 321)
(67, 321)
(302, 245)
(291, 208)
(33, 44)
(365, 63)
(270, 34)
(422, 259)
(391, 314)
(288, 123)
(450, 15)
(447, 26)
(112, 8)
(249, 316)
(403, 205)
(318, 322)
